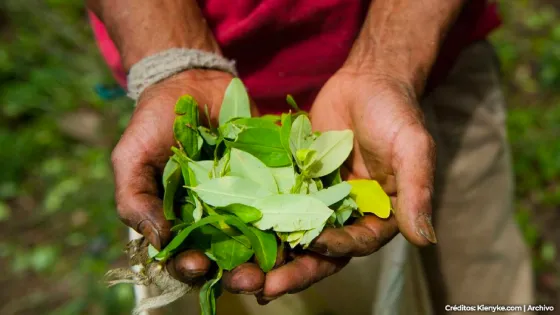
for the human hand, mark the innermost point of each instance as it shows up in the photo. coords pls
(139, 159)
(392, 146)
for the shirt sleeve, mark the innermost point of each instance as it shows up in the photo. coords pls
(108, 49)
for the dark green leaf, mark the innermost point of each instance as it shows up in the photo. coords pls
(171, 181)
(255, 122)
(269, 246)
(332, 178)
(182, 236)
(247, 214)
(262, 243)
(229, 253)
(185, 127)
(207, 295)
(181, 158)
(292, 102)
(263, 143)
(186, 105)
(227, 229)
(187, 213)
(272, 118)
(233, 128)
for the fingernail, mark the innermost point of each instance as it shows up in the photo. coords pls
(262, 300)
(251, 292)
(147, 228)
(425, 228)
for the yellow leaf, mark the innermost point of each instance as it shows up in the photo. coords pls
(370, 197)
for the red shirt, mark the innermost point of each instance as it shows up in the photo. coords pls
(293, 46)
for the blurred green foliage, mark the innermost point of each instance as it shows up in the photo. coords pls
(59, 232)
(55, 176)
(529, 49)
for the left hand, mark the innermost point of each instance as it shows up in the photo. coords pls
(392, 146)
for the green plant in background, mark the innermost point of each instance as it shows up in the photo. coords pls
(59, 229)
(529, 50)
(59, 232)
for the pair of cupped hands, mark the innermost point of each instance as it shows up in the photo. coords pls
(391, 146)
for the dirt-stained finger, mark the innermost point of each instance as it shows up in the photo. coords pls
(189, 266)
(247, 278)
(362, 238)
(299, 274)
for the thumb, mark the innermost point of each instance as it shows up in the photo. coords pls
(137, 198)
(414, 165)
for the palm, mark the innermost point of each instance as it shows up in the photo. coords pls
(377, 116)
(391, 144)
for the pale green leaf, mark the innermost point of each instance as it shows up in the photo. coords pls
(344, 211)
(285, 178)
(223, 191)
(222, 167)
(307, 186)
(333, 194)
(230, 130)
(236, 102)
(197, 212)
(263, 143)
(289, 212)
(304, 157)
(301, 134)
(152, 251)
(333, 148)
(310, 235)
(294, 238)
(319, 184)
(201, 170)
(246, 213)
(208, 135)
(243, 164)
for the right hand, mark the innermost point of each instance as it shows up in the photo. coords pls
(139, 159)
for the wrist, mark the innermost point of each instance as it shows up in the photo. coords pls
(143, 29)
(205, 85)
(402, 38)
(132, 53)
(158, 67)
(385, 63)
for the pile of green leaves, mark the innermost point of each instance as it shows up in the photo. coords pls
(242, 189)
